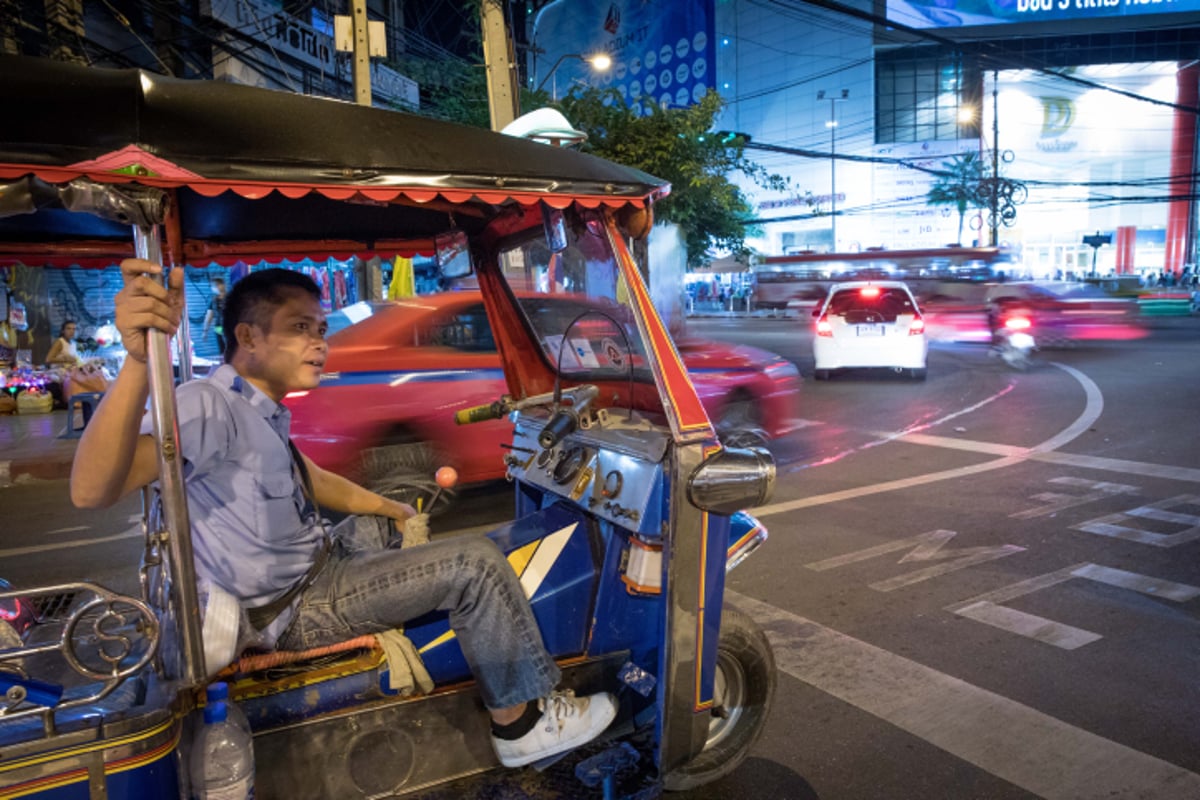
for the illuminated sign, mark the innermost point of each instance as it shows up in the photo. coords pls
(962, 13)
(662, 53)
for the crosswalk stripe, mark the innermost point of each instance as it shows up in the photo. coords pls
(1017, 743)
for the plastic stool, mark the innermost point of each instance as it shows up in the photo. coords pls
(87, 402)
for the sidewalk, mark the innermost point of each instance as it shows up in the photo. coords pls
(30, 448)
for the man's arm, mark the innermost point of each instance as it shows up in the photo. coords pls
(113, 457)
(336, 493)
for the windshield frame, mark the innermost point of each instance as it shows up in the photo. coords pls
(666, 389)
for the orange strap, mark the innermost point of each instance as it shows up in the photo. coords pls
(260, 661)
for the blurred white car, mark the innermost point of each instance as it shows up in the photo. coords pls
(869, 324)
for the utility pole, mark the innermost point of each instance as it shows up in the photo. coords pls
(503, 100)
(360, 37)
(362, 58)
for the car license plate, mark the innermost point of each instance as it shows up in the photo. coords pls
(868, 330)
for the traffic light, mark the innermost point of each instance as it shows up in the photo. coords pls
(731, 137)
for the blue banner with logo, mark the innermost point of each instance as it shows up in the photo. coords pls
(962, 13)
(662, 51)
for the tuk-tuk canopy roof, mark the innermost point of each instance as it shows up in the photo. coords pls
(65, 121)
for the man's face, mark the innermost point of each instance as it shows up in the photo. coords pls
(291, 353)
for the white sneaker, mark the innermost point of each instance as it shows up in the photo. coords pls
(567, 722)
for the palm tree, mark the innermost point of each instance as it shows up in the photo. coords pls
(958, 186)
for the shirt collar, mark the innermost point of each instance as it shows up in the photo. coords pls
(276, 414)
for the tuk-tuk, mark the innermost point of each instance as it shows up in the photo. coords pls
(627, 509)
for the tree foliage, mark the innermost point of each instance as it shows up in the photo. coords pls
(959, 186)
(451, 90)
(677, 145)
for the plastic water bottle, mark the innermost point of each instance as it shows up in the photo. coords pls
(222, 763)
(219, 691)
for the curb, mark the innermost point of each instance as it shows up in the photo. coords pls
(20, 471)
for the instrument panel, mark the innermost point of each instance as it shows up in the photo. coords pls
(614, 472)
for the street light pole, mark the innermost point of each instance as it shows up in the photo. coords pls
(995, 197)
(832, 125)
(599, 62)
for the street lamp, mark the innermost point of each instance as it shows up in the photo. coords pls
(831, 123)
(598, 61)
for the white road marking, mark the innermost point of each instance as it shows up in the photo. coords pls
(988, 608)
(928, 546)
(1111, 524)
(45, 548)
(1009, 456)
(1019, 744)
(1121, 465)
(5, 474)
(887, 486)
(1137, 582)
(1053, 502)
(72, 529)
(1031, 626)
(971, 446)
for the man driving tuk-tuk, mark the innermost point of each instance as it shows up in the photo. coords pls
(256, 503)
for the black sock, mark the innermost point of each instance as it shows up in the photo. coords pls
(520, 726)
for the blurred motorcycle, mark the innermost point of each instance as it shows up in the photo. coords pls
(1012, 338)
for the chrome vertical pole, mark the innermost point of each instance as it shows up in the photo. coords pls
(178, 532)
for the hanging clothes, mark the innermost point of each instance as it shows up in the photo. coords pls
(403, 280)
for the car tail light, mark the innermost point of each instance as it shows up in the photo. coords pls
(824, 328)
(917, 326)
(1018, 323)
(869, 291)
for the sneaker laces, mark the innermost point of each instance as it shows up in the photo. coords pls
(558, 707)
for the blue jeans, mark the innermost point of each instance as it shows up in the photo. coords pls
(374, 590)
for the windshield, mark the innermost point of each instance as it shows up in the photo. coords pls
(577, 303)
(870, 302)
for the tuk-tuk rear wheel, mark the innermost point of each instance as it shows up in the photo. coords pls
(743, 688)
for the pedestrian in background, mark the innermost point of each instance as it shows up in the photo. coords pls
(214, 317)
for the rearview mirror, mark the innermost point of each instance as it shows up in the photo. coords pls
(453, 254)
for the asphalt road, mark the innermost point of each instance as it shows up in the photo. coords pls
(983, 585)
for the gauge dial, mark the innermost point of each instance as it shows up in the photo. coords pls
(569, 464)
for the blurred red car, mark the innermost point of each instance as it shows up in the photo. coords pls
(1062, 312)
(398, 370)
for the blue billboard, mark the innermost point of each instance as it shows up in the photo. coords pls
(662, 51)
(962, 13)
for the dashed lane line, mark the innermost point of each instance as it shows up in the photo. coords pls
(73, 543)
(1012, 741)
